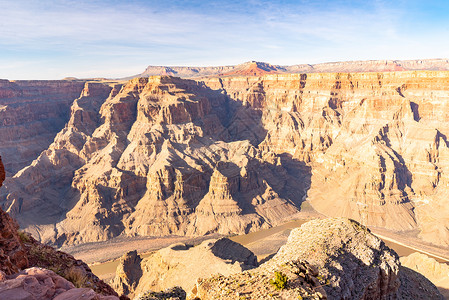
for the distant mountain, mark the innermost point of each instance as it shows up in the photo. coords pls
(254, 68)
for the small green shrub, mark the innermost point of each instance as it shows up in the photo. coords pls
(280, 281)
(24, 237)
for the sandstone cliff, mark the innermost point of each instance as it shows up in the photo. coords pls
(153, 158)
(164, 155)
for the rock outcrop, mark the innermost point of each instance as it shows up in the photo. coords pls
(331, 258)
(175, 293)
(181, 265)
(293, 280)
(355, 263)
(19, 251)
(128, 273)
(12, 252)
(37, 283)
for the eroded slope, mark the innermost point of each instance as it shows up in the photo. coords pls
(164, 155)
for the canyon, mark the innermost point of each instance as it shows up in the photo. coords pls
(229, 154)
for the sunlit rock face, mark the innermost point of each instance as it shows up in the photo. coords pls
(376, 142)
(164, 155)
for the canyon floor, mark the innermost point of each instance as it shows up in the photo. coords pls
(103, 257)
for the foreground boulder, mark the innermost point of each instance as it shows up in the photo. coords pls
(38, 283)
(49, 272)
(357, 264)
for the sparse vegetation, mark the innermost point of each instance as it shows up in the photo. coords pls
(76, 276)
(24, 237)
(280, 281)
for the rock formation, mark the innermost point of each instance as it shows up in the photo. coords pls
(293, 280)
(234, 154)
(48, 269)
(333, 258)
(356, 264)
(12, 252)
(175, 293)
(37, 283)
(154, 159)
(181, 265)
(128, 273)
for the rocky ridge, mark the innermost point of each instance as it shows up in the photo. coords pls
(253, 68)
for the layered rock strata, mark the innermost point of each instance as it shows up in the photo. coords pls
(164, 155)
(31, 114)
(253, 68)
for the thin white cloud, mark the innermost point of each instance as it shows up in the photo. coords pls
(98, 35)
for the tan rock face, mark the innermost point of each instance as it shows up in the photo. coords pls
(181, 265)
(437, 273)
(164, 155)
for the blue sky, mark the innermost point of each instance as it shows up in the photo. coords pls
(98, 38)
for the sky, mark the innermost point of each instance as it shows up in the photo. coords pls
(43, 39)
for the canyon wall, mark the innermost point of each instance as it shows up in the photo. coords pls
(31, 114)
(375, 142)
(163, 155)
